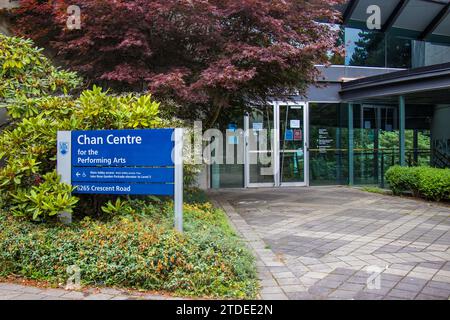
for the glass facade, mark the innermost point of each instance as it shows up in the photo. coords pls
(375, 49)
(389, 50)
(328, 152)
(372, 127)
(376, 141)
(375, 130)
(418, 134)
(427, 54)
(231, 174)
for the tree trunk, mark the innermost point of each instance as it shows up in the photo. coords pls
(215, 116)
(220, 101)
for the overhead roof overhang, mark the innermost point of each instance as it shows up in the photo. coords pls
(415, 82)
(416, 19)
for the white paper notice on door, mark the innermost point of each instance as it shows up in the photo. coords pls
(295, 124)
(258, 126)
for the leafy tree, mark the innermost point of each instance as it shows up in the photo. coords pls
(205, 55)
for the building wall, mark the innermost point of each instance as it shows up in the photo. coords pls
(6, 4)
(4, 27)
(440, 129)
(329, 84)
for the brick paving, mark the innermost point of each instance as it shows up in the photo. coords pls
(13, 291)
(318, 243)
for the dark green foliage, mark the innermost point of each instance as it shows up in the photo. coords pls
(429, 183)
(25, 72)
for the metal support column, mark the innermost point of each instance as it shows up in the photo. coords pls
(350, 145)
(402, 119)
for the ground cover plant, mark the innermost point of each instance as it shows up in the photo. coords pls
(134, 247)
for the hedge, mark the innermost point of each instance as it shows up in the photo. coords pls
(425, 182)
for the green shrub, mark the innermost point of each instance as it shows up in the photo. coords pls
(401, 179)
(28, 144)
(430, 183)
(434, 184)
(26, 72)
(137, 250)
(47, 198)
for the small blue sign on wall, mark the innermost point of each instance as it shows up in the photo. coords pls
(123, 162)
(289, 135)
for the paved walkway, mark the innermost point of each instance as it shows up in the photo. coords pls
(12, 291)
(342, 243)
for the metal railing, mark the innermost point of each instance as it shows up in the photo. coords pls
(440, 160)
(370, 165)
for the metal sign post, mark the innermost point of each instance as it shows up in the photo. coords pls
(178, 197)
(128, 162)
(63, 166)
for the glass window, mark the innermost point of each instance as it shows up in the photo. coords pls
(418, 135)
(376, 142)
(364, 48)
(230, 175)
(427, 54)
(398, 51)
(328, 144)
(375, 49)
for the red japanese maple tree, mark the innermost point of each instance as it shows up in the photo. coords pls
(204, 54)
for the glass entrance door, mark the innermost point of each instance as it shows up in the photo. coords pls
(292, 145)
(276, 146)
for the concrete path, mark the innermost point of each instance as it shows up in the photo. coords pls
(342, 243)
(13, 291)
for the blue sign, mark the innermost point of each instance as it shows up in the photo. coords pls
(232, 127)
(124, 188)
(131, 162)
(134, 175)
(122, 148)
(289, 135)
(134, 162)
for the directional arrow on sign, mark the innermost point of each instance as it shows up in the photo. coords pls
(78, 174)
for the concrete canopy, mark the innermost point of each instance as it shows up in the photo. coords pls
(418, 19)
(424, 85)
